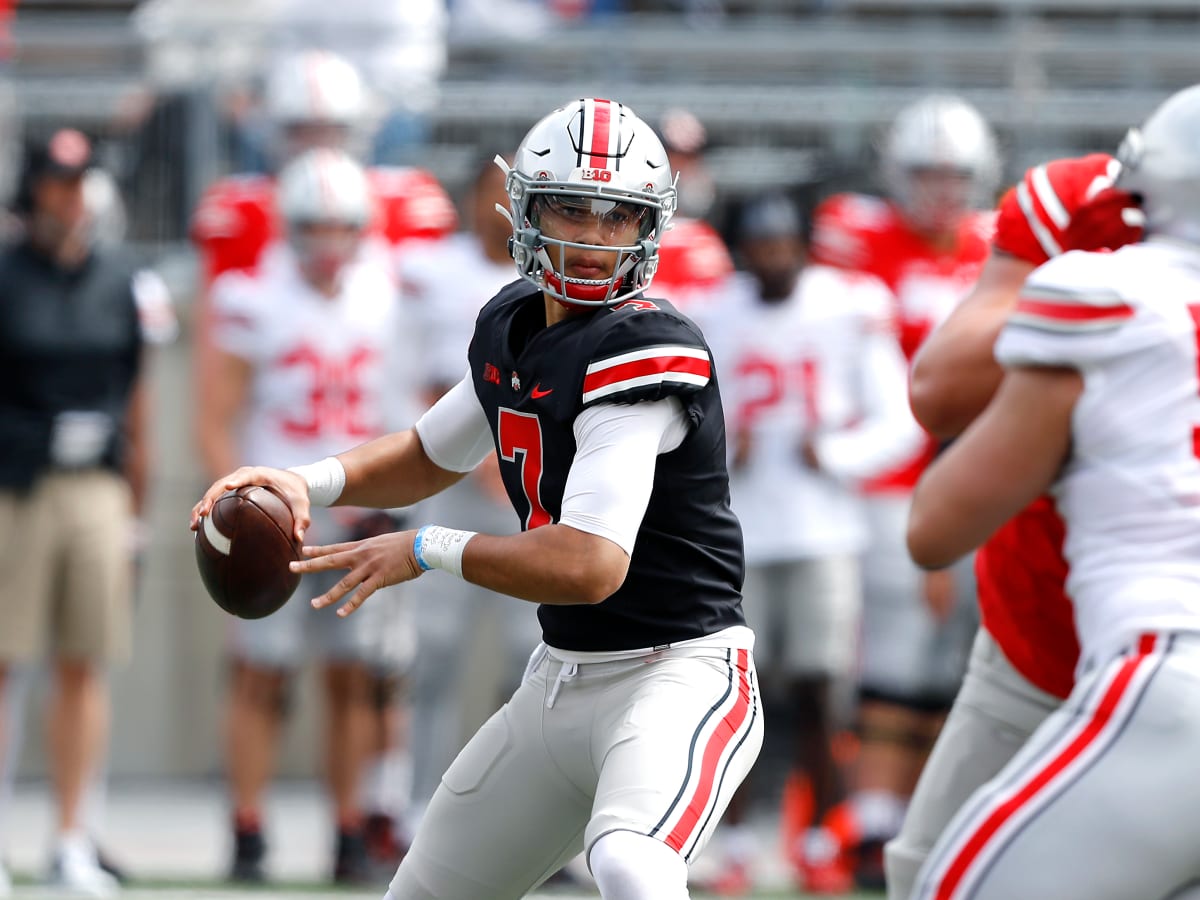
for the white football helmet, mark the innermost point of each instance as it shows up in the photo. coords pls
(592, 159)
(945, 134)
(323, 187)
(1160, 163)
(314, 98)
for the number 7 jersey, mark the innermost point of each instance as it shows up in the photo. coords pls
(685, 574)
(1130, 492)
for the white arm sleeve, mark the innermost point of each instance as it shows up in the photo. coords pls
(887, 434)
(608, 487)
(455, 431)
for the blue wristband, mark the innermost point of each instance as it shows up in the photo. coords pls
(417, 538)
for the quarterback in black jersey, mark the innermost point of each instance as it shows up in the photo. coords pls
(639, 714)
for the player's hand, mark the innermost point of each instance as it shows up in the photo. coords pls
(1110, 219)
(373, 564)
(290, 486)
(939, 590)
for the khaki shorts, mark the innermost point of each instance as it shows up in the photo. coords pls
(68, 573)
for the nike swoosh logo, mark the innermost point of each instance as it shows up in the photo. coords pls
(537, 392)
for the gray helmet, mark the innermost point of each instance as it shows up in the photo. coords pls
(1160, 162)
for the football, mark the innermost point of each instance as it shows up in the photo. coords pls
(243, 548)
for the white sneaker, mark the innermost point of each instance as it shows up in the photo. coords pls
(76, 870)
(5, 882)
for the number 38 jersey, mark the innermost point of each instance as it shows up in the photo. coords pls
(1130, 493)
(325, 368)
(686, 570)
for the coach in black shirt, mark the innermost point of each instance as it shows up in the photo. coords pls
(72, 469)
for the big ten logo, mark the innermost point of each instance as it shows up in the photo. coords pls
(597, 175)
(336, 397)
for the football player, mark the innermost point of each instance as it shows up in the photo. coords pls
(312, 99)
(1023, 660)
(309, 355)
(814, 383)
(927, 241)
(453, 616)
(639, 714)
(1098, 406)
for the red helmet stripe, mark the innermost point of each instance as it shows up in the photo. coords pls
(601, 133)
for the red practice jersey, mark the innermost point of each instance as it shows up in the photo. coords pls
(236, 217)
(868, 234)
(692, 257)
(1021, 571)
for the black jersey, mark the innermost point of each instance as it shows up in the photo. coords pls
(69, 341)
(685, 575)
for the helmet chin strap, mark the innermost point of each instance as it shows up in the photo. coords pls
(587, 291)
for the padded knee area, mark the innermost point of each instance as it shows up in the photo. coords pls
(631, 866)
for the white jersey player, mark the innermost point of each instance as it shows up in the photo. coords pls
(445, 287)
(815, 365)
(1100, 403)
(816, 406)
(311, 356)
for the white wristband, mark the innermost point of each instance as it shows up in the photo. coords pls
(436, 547)
(325, 480)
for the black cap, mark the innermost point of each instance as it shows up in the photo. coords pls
(66, 153)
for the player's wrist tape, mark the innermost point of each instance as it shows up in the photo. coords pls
(436, 547)
(325, 479)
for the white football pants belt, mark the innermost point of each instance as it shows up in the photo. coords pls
(566, 672)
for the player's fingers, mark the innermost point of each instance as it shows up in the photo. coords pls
(320, 550)
(322, 562)
(235, 479)
(347, 584)
(365, 589)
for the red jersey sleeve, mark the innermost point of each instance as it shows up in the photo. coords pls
(411, 205)
(232, 224)
(844, 230)
(1034, 215)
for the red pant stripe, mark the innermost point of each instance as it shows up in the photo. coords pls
(723, 735)
(956, 871)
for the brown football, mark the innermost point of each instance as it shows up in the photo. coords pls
(243, 548)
